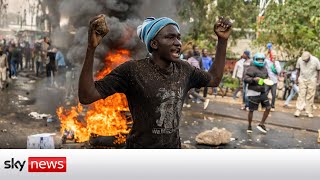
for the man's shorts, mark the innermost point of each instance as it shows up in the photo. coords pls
(254, 102)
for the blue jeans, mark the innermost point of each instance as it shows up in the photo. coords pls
(293, 92)
(273, 89)
(245, 99)
(13, 67)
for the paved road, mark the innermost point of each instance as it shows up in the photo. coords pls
(195, 122)
(285, 130)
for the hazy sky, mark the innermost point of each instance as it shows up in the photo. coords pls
(17, 5)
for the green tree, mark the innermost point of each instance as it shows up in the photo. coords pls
(292, 27)
(202, 14)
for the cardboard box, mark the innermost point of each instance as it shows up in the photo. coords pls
(41, 141)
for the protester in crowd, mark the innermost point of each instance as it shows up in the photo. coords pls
(28, 56)
(8, 53)
(155, 87)
(197, 56)
(3, 69)
(308, 76)
(61, 64)
(238, 73)
(256, 93)
(14, 61)
(274, 69)
(246, 64)
(19, 51)
(280, 85)
(195, 63)
(287, 85)
(206, 62)
(44, 53)
(294, 90)
(269, 52)
(51, 67)
(38, 60)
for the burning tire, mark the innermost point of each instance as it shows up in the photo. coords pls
(105, 141)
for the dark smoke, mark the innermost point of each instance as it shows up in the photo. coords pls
(123, 16)
(122, 19)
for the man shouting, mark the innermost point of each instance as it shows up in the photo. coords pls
(155, 86)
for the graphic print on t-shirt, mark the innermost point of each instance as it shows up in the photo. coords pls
(170, 111)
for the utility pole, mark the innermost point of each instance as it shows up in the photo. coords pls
(263, 5)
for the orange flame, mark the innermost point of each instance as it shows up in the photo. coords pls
(104, 117)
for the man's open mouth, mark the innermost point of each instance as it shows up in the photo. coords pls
(175, 53)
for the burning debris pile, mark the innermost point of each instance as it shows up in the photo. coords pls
(106, 117)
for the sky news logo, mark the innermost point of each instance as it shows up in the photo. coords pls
(39, 164)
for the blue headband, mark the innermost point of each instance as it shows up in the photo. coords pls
(151, 27)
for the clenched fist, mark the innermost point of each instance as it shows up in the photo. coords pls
(223, 28)
(97, 30)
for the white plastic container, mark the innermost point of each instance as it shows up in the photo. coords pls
(41, 141)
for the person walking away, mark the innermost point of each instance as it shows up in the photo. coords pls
(274, 69)
(256, 93)
(308, 77)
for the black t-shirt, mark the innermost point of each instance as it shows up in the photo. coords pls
(155, 97)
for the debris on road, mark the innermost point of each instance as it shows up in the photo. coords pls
(22, 98)
(36, 115)
(214, 137)
(187, 146)
(233, 139)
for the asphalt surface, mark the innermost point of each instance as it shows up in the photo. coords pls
(31, 94)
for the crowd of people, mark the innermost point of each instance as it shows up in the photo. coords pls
(39, 58)
(251, 75)
(265, 76)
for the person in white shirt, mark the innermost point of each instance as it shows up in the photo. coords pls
(308, 76)
(274, 69)
(238, 72)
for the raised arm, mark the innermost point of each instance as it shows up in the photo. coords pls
(223, 29)
(87, 91)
